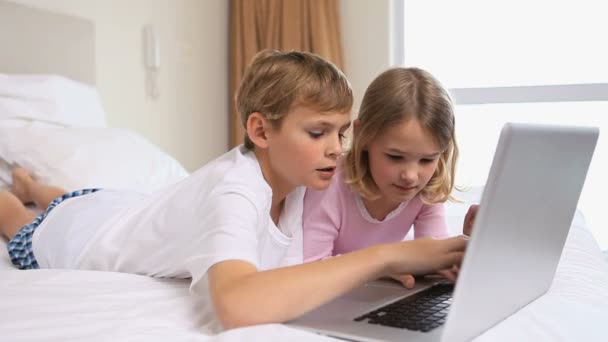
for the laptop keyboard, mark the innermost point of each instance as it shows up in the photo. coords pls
(422, 311)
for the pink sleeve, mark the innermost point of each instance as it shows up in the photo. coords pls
(320, 222)
(431, 222)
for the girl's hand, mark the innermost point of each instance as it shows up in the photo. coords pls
(407, 280)
(423, 256)
(469, 219)
(450, 274)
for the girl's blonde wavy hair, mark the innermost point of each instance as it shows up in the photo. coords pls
(276, 81)
(397, 95)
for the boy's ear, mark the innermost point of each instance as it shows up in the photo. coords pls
(256, 129)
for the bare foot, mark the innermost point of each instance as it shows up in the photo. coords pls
(21, 184)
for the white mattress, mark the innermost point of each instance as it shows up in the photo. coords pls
(64, 305)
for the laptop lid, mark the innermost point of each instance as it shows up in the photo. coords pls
(525, 213)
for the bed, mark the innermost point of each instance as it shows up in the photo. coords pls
(65, 305)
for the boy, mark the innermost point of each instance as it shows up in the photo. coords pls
(235, 225)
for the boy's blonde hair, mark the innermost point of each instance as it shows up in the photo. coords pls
(395, 96)
(275, 82)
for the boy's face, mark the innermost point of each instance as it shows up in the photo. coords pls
(305, 148)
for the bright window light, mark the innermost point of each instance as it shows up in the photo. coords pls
(477, 43)
(492, 44)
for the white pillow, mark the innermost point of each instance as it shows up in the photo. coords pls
(50, 98)
(76, 158)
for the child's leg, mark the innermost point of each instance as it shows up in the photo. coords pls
(29, 190)
(13, 214)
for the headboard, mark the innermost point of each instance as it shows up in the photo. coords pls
(42, 42)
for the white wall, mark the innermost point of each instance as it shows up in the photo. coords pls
(190, 118)
(366, 37)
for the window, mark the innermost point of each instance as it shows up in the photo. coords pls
(523, 61)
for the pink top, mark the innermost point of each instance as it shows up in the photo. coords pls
(335, 221)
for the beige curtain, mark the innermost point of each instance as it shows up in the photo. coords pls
(304, 25)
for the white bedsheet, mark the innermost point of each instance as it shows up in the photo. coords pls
(64, 305)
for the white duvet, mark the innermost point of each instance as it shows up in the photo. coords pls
(66, 305)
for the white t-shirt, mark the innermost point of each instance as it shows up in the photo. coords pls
(221, 212)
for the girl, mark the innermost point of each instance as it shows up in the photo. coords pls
(398, 172)
(234, 226)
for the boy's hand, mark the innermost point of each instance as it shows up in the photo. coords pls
(424, 256)
(469, 219)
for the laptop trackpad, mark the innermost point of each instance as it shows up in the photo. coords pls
(362, 300)
(385, 289)
(371, 294)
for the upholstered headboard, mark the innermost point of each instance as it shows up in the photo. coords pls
(42, 42)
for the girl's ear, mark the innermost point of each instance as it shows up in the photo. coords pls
(256, 129)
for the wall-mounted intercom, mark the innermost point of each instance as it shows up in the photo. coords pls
(151, 48)
(151, 54)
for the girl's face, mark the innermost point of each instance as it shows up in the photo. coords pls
(402, 160)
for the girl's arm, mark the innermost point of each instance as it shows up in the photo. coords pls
(243, 296)
(320, 223)
(431, 222)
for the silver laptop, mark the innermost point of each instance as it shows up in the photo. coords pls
(525, 214)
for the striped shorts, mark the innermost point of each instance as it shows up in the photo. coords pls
(20, 246)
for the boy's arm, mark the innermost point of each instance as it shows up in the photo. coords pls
(243, 296)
